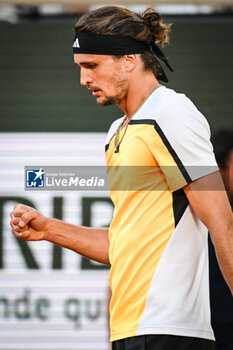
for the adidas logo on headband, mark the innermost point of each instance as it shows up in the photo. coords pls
(76, 43)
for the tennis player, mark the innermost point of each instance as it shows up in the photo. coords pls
(157, 241)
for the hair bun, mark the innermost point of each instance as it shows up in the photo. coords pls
(159, 30)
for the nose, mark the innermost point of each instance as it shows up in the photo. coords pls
(85, 77)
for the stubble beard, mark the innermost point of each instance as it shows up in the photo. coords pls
(121, 84)
(109, 100)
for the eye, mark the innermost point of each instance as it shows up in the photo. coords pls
(91, 66)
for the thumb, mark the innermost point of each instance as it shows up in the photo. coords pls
(27, 217)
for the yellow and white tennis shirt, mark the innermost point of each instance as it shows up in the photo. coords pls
(158, 246)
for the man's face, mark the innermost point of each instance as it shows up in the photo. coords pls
(104, 75)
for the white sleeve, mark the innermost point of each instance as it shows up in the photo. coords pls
(188, 133)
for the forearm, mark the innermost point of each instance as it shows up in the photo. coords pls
(224, 250)
(93, 243)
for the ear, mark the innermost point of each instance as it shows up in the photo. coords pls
(130, 62)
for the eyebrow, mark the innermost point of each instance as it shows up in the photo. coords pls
(85, 63)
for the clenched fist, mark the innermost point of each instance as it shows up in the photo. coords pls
(27, 223)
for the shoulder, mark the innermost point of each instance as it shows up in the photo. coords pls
(174, 113)
(180, 119)
(160, 99)
(166, 103)
(181, 127)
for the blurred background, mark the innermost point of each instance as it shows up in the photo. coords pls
(51, 298)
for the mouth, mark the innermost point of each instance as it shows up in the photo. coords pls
(95, 92)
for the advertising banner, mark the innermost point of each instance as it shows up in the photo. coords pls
(51, 298)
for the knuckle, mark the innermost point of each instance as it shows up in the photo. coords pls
(25, 216)
(15, 221)
(18, 206)
(17, 228)
(21, 208)
(25, 228)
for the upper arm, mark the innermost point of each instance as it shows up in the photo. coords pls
(208, 199)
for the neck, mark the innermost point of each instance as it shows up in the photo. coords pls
(138, 91)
